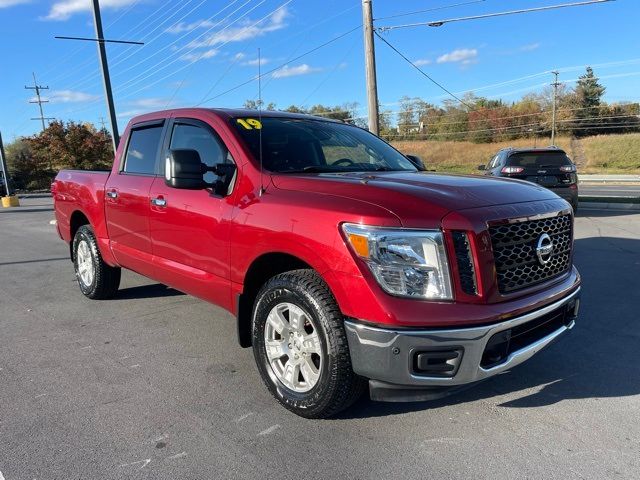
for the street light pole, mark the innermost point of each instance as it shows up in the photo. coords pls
(370, 66)
(102, 52)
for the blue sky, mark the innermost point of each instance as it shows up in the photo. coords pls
(197, 50)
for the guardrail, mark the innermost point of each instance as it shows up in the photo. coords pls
(602, 179)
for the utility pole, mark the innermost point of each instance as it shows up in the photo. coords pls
(3, 165)
(102, 52)
(370, 66)
(39, 100)
(102, 123)
(555, 101)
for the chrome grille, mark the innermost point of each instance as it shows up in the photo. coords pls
(514, 251)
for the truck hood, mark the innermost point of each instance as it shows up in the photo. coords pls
(420, 198)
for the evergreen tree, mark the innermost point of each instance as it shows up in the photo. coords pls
(588, 94)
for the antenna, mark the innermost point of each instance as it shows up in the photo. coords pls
(260, 119)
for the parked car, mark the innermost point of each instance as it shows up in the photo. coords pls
(549, 167)
(343, 264)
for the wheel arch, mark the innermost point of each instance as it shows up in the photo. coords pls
(77, 219)
(260, 270)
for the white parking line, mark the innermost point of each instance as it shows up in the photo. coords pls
(246, 415)
(1, 477)
(179, 455)
(144, 464)
(269, 430)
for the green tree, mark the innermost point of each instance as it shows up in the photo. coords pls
(588, 94)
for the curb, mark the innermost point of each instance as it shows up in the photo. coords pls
(609, 206)
(606, 199)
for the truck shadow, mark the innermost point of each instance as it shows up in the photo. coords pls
(154, 290)
(597, 359)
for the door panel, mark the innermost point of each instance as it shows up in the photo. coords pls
(127, 203)
(190, 241)
(189, 229)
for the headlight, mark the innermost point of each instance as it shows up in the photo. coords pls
(408, 263)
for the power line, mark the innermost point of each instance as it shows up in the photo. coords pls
(175, 92)
(156, 67)
(120, 58)
(152, 71)
(308, 31)
(435, 134)
(428, 10)
(66, 74)
(330, 74)
(439, 85)
(439, 23)
(253, 79)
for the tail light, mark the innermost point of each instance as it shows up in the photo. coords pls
(512, 170)
(568, 168)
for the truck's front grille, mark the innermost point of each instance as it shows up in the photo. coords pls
(514, 250)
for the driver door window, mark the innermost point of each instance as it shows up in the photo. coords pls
(210, 147)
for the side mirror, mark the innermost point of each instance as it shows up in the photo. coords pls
(482, 167)
(183, 169)
(417, 162)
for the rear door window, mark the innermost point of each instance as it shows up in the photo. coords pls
(142, 150)
(538, 160)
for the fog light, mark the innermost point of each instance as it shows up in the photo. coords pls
(438, 363)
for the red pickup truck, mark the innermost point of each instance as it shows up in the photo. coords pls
(344, 263)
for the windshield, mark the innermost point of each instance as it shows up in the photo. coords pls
(299, 145)
(538, 159)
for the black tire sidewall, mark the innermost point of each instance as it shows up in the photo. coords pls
(280, 291)
(85, 233)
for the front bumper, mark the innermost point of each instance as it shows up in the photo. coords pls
(397, 361)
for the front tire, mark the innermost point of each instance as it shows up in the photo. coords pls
(96, 279)
(301, 348)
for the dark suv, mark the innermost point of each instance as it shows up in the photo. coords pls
(549, 167)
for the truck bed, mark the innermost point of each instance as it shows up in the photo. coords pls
(83, 191)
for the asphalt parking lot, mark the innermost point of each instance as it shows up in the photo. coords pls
(152, 385)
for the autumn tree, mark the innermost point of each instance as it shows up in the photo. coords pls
(34, 161)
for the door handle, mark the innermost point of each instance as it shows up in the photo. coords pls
(112, 194)
(159, 202)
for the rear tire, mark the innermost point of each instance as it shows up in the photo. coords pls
(300, 346)
(96, 279)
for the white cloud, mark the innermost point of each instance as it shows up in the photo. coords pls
(239, 56)
(144, 105)
(69, 96)
(423, 61)
(64, 9)
(250, 29)
(288, 71)
(11, 3)
(254, 62)
(188, 27)
(194, 57)
(465, 56)
(530, 48)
